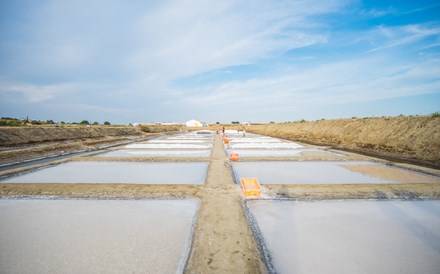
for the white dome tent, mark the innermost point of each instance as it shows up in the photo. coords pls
(195, 123)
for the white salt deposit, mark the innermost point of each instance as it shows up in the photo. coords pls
(308, 172)
(95, 236)
(170, 146)
(351, 236)
(265, 145)
(275, 152)
(166, 141)
(155, 153)
(255, 140)
(117, 173)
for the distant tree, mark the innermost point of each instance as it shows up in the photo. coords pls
(235, 122)
(85, 122)
(51, 122)
(62, 122)
(107, 123)
(96, 123)
(217, 123)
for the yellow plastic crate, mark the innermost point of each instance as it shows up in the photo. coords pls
(250, 187)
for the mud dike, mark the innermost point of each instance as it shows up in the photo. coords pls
(175, 204)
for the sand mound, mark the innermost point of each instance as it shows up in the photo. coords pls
(414, 139)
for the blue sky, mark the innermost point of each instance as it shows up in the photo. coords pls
(259, 61)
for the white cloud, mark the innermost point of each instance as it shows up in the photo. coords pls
(341, 82)
(388, 37)
(112, 56)
(182, 38)
(37, 93)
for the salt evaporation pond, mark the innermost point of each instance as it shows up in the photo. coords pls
(190, 137)
(166, 141)
(326, 172)
(276, 152)
(117, 173)
(155, 153)
(254, 140)
(95, 236)
(350, 236)
(169, 146)
(267, 145)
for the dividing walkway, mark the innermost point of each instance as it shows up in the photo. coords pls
(223, 241)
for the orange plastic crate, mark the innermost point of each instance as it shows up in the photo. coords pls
(234, 157)
(226, 140)
(250, 187)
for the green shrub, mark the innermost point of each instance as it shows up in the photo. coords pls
(85, 122)
(107, 123)
(145, 129)
(10, 123)
(435, 114)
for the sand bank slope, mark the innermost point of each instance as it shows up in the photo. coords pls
(415, 139)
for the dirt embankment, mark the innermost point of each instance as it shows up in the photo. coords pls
(24, 143)
(28, 135)
(412, 139)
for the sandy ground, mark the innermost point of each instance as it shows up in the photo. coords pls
(20, 144)
(410, 139)
(10, 154)
(223, 241)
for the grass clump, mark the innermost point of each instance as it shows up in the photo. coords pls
(145, 129)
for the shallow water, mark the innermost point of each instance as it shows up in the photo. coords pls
(255, 140)
(179, 141)
(315, 172)
(276, 152)
(277, 145)
(155, 153)
(95, 236)
(170, 146)
(351, 236)
(117, 173)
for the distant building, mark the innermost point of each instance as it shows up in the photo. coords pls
(195, 123)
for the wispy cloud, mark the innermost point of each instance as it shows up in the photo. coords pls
(128, 59)
(36, 93)
(344, 82)
(178, 39)
(403, 35)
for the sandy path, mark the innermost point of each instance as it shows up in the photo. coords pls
(223, 241)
